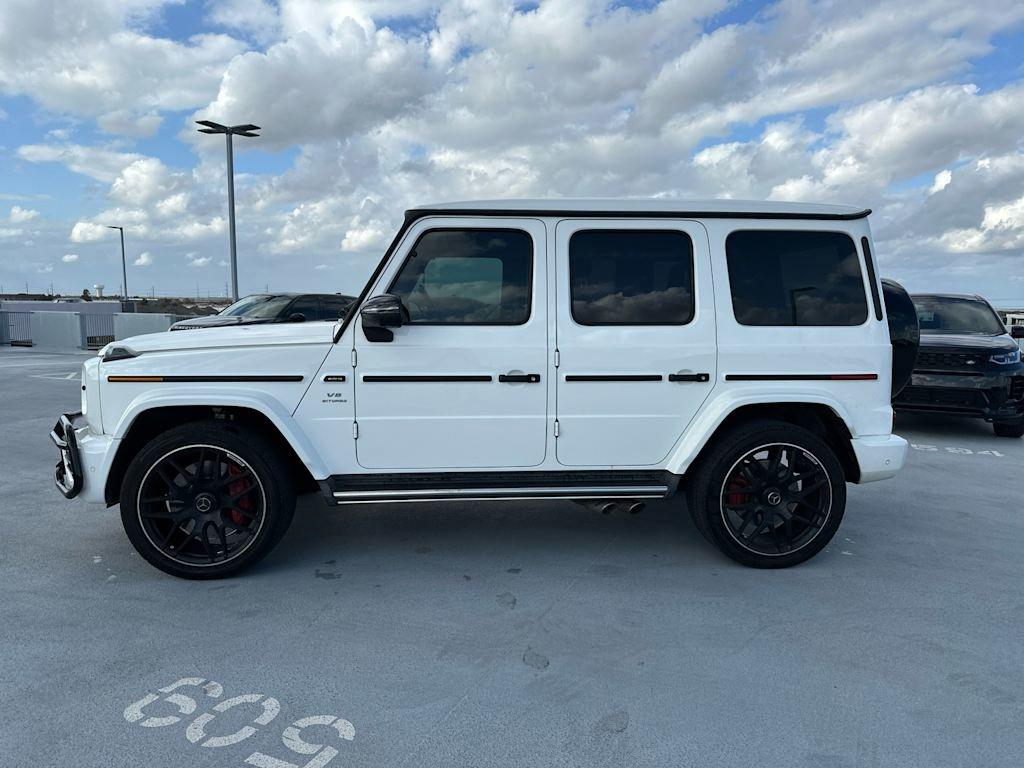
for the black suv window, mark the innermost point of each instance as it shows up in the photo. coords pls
(631, 277)
(952, 314)
(334, 307)
(468, 277)
(780, 277)
(305, 305)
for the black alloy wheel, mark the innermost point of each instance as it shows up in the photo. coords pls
(769, 494)
(775, 499)
(201, 505)
(207, 499)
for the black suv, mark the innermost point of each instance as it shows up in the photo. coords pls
(273, 308)
(968, 364)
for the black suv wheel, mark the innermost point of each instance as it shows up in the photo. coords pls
(769, 494)
(1014, 428)
(206, 500)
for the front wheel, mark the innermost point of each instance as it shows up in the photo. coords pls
(770, 495)
(206, 499)
(1013, 428)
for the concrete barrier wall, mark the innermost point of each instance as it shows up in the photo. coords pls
(57, 330)
(126, 325)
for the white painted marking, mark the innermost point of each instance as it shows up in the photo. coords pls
(185, 704)
(97, 559)
(955, 450)
(196, 732)
(292, 734)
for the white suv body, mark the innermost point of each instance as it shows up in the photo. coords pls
(523, 349)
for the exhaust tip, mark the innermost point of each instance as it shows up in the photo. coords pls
(636, 507)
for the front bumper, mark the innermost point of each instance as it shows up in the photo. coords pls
(68, 472)
(990, 397)
(879, 456)
(85, 458)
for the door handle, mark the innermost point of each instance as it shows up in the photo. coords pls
(519, 378)
(689, 377)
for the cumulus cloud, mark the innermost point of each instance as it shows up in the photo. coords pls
(87, 232)
(195, 260)
(69, 258)
(398, 103)
(144, 260)
(20, 215)
(90, 58)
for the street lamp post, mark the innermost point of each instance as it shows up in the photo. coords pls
(124, 269)
(229, 131)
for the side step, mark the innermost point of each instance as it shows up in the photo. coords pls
(481, 486)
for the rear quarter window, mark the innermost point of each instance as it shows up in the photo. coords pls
(795, 278)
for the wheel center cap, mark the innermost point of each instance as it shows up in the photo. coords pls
(773, 496)
(204, 503)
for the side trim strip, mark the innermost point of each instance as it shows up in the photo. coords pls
(174, 379)
(615, 377)
(440, 494)
(801, 377)
(689, 377)
(426, 379)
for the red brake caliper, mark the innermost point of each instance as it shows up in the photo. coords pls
(734, 493)
(244, 503)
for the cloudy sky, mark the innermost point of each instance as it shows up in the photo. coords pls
(915, 109)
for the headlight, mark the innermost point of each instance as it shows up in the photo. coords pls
(1006, 358)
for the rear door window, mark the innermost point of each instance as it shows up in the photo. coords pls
(631, 277)
(795, 278)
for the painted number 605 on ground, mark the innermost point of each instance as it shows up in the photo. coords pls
(267, 708)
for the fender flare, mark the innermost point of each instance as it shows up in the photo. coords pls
(718, 409)
(252, 399)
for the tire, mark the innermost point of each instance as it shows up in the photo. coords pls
(1013, 428)
(207, 499)
(750, 525)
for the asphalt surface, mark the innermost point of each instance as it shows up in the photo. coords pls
(517, 634)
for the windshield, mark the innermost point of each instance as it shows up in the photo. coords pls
(945, 314)
(259, 305)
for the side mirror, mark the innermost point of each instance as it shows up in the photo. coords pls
(296, 317)
(382, 313)
(1017, 332)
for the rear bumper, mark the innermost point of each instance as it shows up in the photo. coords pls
(879, 456)
(84, 459)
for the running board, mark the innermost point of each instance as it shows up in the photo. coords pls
(488, 486)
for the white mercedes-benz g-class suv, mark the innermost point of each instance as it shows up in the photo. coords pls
(602, 351)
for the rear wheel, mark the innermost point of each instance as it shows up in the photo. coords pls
(770, 495)
(206, 499)
(1013, 428)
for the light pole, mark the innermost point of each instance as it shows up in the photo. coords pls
(229, 131)
(124, 269)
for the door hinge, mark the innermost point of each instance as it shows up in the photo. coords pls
(355, 430)
(556, 427)
(558, 359)
(355, 357)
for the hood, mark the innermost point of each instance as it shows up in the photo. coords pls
(967, 342)
(237, 335)
(216, 321)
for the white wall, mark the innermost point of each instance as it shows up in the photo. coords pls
(126, 324)
(57, 330)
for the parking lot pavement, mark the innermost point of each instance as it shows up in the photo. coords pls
(516, 634)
